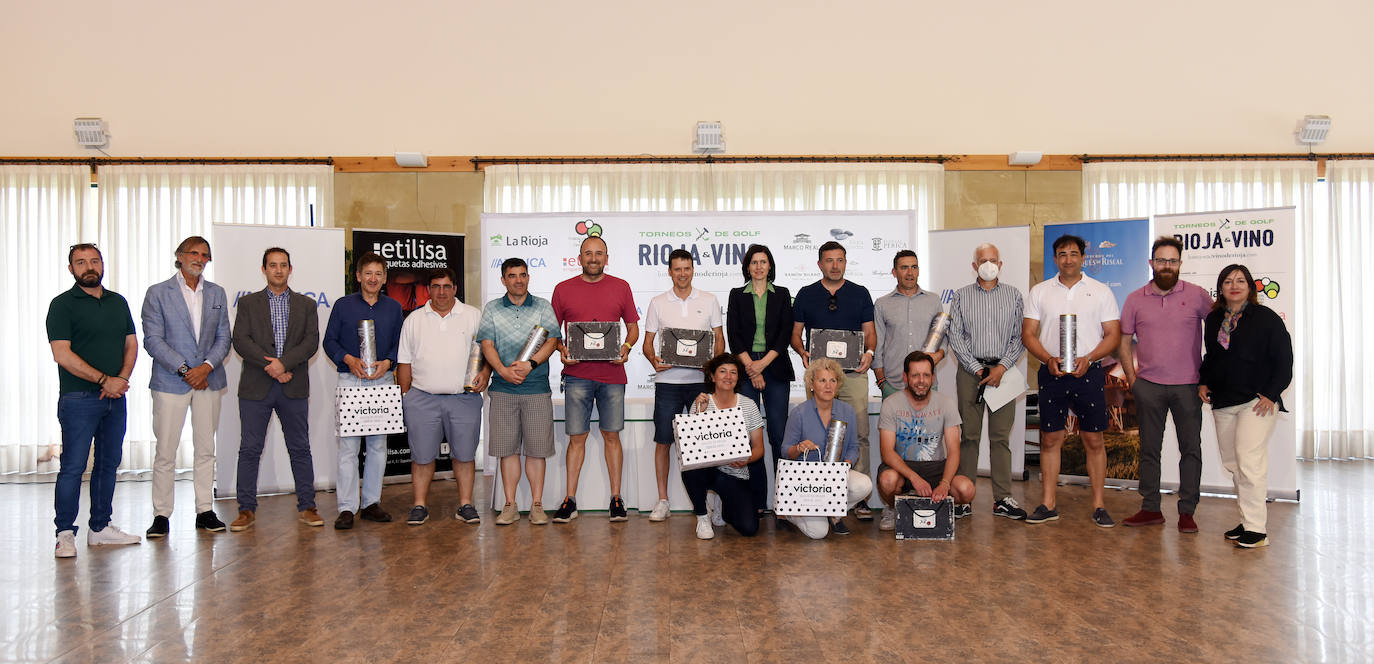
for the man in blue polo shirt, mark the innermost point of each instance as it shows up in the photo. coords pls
(834, 303)
(91, 333)
(343, 347)
(520, 415)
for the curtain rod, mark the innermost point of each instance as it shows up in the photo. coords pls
(1087, 158)
(711, 159)
(110, 161)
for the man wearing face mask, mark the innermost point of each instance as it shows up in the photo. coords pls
(1166, 317)
(985, 335)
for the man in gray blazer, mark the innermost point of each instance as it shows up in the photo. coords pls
(186, 331)
(276, 331)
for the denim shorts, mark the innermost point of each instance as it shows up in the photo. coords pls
(669, 400)
(578, 396)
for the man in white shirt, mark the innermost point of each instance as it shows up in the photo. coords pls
(1081, 386)
(431, 368)
(676, 387)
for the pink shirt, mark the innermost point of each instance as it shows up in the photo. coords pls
(1168, 331)
(576, 301)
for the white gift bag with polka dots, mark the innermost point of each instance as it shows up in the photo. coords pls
(811, 488)
(365, 411)
(711, 438)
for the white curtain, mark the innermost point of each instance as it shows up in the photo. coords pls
(718, 187)
(1138, 189)
(143, 213)
(43, 211)
(1335, 423)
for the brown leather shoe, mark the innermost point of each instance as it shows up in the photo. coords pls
(311, 517)
(345, 520)
(244, 522)
(374, 512)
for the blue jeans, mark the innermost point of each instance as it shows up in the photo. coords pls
(85, 418)
(254, 415)
(374, 466)
(578, 396)
(672, 399)
(772, 403)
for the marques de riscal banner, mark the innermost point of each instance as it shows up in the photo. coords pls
(1264, 240)
(1117, 255)
(410, 257)
(639, 245)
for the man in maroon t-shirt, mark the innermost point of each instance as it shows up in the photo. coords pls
(1166, 318)
(594, 296)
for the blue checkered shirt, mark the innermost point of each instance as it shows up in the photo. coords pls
(507, 326)
(281, 313)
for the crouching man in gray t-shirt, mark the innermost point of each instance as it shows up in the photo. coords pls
(918, 430)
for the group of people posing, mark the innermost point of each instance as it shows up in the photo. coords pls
(928, 441)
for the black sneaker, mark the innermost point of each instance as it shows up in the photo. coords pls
(209, 522)
(567, 511)
(467, 514)
(618, 509)
(1102, 518)
(158, 529)
(418, 515)
(1008, 508)
(1042, 514)
(838, 527)
(1235, 533)
(962, 510)
(1252, 540)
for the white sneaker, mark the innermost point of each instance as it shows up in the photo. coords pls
(660, 512)
(715, 509)
(110, 535)
(889, 519)
(704, 527)
(66, 545)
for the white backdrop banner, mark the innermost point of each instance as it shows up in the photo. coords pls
(950, 267)
(317, 261)
(1264, 240)
(639, 244)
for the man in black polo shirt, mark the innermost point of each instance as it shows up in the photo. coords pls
(92, 336)
(836, 304)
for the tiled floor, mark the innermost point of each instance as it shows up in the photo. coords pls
(593, 591)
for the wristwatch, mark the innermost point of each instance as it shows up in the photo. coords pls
(533, 363)
(183, 370)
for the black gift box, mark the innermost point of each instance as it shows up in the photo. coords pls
(923, 519)
(594, 340)
(843, 346)
(686, 348)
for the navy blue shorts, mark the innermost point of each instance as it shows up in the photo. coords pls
(1086, 396)
(669, 400)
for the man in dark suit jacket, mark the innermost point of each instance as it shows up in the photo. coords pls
(276, 331)
(186, 331)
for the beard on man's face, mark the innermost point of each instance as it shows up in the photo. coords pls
(89, 279)
(1166, 279)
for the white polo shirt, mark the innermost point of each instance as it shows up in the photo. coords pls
(1091, 299)
(436, 347)
(700, 311)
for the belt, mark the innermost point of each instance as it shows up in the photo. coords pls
(989, 361)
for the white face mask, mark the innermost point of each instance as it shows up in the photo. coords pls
(988, 271)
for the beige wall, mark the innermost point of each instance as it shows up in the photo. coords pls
(978, 199)
(359, 77)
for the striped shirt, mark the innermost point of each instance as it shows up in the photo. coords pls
(507, 325)
(280, 307)
(987, 324)
(753, 421)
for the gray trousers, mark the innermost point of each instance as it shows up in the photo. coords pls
(1000, 422)
(1153, 402)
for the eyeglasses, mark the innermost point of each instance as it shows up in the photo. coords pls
(833, 306)
(443, 287)
(1166, 262)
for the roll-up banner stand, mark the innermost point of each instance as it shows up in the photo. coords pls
(950, 268)
(1117, 255)
(317, 262)
(1264, 240)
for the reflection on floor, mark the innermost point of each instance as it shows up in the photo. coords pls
(594, 591)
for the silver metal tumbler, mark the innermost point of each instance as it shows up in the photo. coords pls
(1068, 342)
(367, 344)
(475, 363)
(536, 338)
(939, 325)
(834, 441)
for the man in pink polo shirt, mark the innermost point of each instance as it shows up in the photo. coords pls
(1166, 317)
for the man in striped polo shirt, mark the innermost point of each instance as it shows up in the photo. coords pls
(985, 335)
